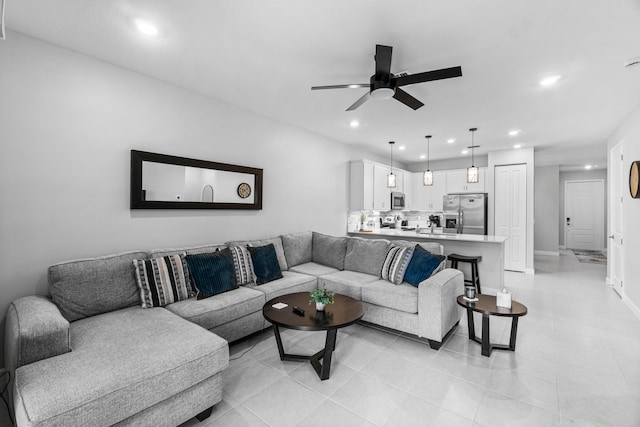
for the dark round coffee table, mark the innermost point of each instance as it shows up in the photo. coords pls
(486, 305)
(344, 312)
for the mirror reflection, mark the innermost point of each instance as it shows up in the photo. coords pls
(163, 182)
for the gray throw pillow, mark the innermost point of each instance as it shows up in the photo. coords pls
(365, 255)
(329, 250)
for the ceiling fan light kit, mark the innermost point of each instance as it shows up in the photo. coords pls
(472, 171)
(384, 84)
(427, 176)
(391, 178)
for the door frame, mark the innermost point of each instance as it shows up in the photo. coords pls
(602, 210)
(616, 188)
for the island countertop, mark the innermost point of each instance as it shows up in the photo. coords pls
(412, 235)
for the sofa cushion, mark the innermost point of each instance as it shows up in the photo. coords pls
(289, 283)
(213, 273)
(122, 362)
(402, 297)
(423, 264)
(365, 255)
(346, 282)
(163, 280)
(189, 250)
(277, 244)
(92, 286)
(329, 250)
(297, 248)
(242, 265)
(220, 309)
(395, 263)
(265, 263)
(314, 269)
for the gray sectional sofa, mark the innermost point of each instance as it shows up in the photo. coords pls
(88, 354)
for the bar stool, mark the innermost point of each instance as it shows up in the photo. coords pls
(473, 260)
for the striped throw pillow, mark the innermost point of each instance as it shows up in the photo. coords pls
(395, 263)
(242, 265)
(163, 280)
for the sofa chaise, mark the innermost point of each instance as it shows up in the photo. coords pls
(89, 354)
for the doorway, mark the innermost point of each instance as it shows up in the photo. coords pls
(584, 215)
(616, 183)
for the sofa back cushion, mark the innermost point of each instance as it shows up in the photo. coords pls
(329, 250)
(277, 244)
(87, 287)
(433, 247)
(298, 248)
(190, 250)
(365, 255)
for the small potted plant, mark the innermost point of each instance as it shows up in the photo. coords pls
(363, 218)
(321, 297)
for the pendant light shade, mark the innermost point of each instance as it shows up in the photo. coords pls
(427, 176)
(472, 172)
(391, 178)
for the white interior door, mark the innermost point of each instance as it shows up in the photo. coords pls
(584, 214)
(511, 213)
(616, 185)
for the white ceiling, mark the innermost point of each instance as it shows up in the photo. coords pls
(265, 55)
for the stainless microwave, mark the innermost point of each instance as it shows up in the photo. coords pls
(397, 200)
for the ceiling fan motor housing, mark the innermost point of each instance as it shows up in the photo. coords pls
(382, 87)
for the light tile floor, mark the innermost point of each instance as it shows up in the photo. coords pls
(577, 363)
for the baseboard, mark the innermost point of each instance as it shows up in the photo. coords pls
(634, 308)
(551, 253)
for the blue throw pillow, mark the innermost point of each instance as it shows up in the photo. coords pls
(212, 273)
(422, 265)
(265, 263)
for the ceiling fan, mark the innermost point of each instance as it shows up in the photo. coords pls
(384, 84)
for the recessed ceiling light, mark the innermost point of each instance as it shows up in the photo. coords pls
(587, 166)
(465, 151)
(514, 132)
(422, 156)
(402, 147)
(146, 27)
(551, 80)
(451, 141)
(354, 123)
(517, 145)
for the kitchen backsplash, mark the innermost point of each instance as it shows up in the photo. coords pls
(373, 218)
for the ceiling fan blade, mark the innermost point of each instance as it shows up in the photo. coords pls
(352, 86)
(427, 76)
(383, 59)
(359, 102)
(407, 99)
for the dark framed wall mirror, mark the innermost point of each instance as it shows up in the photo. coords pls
(160, 181)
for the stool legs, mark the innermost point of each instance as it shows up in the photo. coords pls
(475, 276)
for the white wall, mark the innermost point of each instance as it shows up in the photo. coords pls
(546, 210)
(67, 125)
(629, 133)
(579, 176)
(513, 157)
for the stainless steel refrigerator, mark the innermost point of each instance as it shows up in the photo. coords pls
(465, 213)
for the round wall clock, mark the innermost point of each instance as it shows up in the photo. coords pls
(244, 190)
(634, 179)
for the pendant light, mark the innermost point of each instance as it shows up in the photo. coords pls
(472, 172)
(391, 178)
(427, 176)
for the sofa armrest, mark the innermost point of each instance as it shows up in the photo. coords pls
(438, 310)
(35, 330)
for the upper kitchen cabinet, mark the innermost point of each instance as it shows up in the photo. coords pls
(407, 188)
(457, 182)
(361, 186)
(429, 197)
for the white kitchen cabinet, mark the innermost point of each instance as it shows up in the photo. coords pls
(381, 193)
(429, 197)
(407, 188)
(361, 186)
(457, 182)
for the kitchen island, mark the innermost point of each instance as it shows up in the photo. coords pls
(490, 248)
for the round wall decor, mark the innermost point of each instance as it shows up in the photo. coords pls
(244, 190)
(634, 179)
